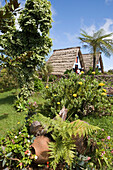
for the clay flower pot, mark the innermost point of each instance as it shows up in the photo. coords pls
(41, 149)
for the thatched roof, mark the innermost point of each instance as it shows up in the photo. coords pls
(88, 60)
(63, 59)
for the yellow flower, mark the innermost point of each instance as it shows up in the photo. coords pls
(82, 72)
(47, 87)
(80, 82)
(74, 95)
(104, 94)
(18, 123)
(101, 84)
(93, 72)
(58, 102)
(54, 94)
(104, 90)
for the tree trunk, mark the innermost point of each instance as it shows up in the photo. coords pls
(94, 59)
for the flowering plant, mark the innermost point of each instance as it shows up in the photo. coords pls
(15, 150)
(81, 96)
(102, 155)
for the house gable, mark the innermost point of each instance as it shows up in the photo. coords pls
(63, 59)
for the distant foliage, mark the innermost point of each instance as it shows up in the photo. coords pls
(68, 71)
(81, 96)
(89, 72)
(52, 78)
(110, 71)
(38, 85)
(8, 80)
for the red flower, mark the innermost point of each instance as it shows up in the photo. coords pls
(47, 164)
(26, 152)
(20, 164)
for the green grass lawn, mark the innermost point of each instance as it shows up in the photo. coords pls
(105, 122)
(9, 117)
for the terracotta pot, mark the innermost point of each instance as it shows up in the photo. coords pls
(41, 149)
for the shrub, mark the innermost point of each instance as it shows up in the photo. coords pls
(38, 85)
(110, 71)
(81, 96)
(89, 72)
(15, 149)
(52, 78)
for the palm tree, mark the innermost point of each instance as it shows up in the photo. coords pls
(45, 71)
(98, 42)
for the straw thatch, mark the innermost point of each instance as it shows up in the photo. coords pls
(88, 60)
(64, 59)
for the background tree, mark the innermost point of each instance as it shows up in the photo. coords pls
(27, 47)
(98, 42)
(45, 71)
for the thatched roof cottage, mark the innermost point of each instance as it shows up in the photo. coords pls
(72, 58)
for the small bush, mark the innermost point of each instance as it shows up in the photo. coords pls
(110, 71)
(89, 72)
(15, 151)
(38, 85)
(52, 78)
(81, 96)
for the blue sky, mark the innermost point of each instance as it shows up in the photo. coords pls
(72, 15)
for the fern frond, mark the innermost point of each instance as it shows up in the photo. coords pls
(63, 145)
(83, 128)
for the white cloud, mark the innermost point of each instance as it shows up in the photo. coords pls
(90, 29)
(108, 1)
(71, 37)
(108, 26)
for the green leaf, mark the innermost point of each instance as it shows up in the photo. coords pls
(4, 162)
(9, 154)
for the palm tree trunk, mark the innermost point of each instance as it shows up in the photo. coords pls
(94, 59)
(94, 62)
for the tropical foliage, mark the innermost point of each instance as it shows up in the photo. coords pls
(98, 42)
(45, 71)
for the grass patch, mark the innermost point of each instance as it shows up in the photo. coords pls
(104, 122)
(9, 117)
